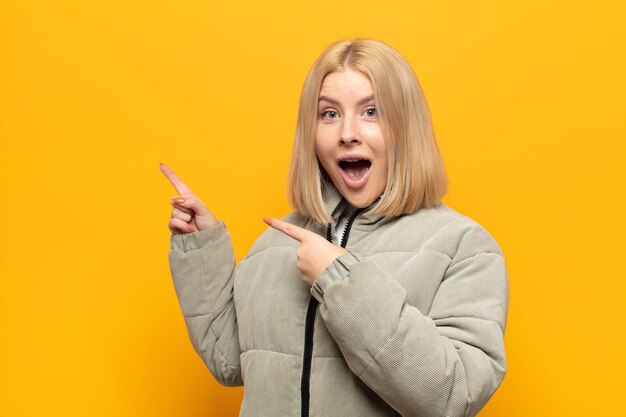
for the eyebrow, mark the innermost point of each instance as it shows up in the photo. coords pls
(363, 100)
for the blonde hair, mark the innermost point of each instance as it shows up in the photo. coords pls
(416, 176)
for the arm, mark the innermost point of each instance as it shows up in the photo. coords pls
(203, 266)
(446, 363)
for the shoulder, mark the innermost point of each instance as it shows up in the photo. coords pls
(272, 239)
(445, 230)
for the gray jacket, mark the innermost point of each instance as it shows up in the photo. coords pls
(410, 321)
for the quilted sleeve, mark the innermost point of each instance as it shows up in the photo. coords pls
(203, 266)
(447, 362)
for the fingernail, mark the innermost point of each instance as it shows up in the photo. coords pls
(267, 221)
(179, 200)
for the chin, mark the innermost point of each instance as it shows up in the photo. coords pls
(359, 201)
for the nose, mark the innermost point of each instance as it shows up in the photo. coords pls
(349, 132)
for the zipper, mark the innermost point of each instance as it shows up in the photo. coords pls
(309, 327)
(329, 229)
(305, 393)
(346, 231)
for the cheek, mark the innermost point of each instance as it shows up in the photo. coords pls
(322, 153)
(376, 141)
(319, 149)
(322, 143)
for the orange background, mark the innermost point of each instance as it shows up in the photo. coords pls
(528, 103)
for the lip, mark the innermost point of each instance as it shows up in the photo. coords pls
(351, 182)
(352, 156)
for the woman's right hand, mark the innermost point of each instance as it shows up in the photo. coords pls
(189, 213)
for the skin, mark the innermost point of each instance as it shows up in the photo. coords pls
(190, 214)
(348, 127)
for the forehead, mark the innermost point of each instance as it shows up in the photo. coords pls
(346, 84)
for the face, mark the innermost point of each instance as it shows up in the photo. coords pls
(349, 142)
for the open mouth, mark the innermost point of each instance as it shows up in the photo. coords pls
(355, 169)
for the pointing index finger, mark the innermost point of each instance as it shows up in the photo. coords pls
(180, 186)
(289, 229)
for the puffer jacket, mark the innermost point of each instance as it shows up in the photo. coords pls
(410, 321)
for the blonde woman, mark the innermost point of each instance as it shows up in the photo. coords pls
(373, 298)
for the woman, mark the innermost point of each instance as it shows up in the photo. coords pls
(373, 298)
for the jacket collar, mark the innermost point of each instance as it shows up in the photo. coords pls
(332, 199)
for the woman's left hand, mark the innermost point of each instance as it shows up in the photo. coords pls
(314, 254)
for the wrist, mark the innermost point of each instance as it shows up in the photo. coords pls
(206, 223)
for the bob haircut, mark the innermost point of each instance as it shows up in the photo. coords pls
(416, 176)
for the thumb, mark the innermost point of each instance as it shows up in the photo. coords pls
(191, 203)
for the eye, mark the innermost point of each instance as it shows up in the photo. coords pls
(330, 114)
(371, 112)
